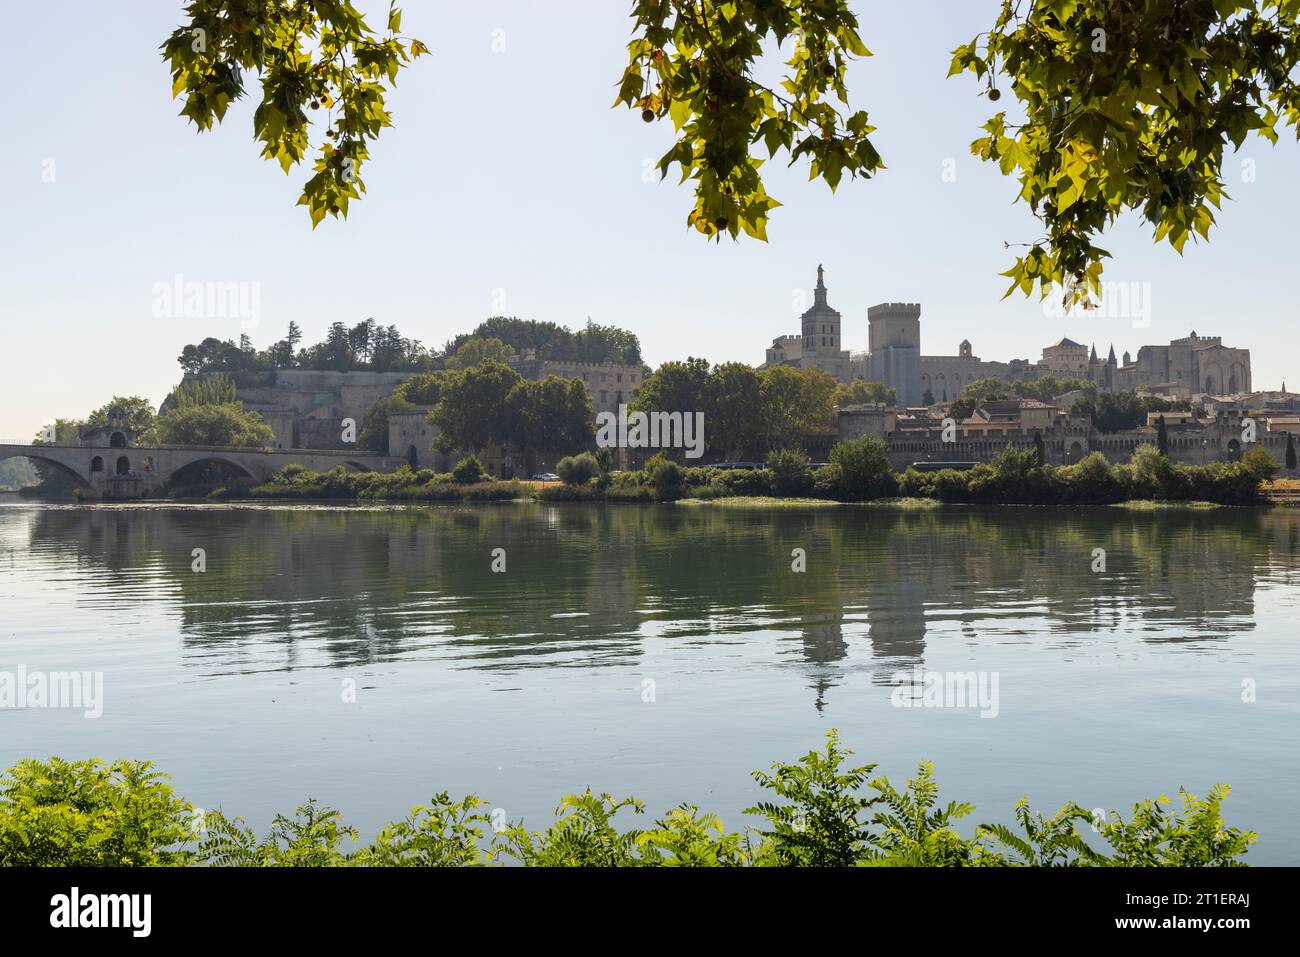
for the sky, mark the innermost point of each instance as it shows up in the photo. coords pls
(508, 185)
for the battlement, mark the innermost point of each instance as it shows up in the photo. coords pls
(529, 356)
(906, 310)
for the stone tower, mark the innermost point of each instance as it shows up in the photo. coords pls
(894, 339)
(821, 324)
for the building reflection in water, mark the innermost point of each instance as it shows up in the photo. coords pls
(289, 588)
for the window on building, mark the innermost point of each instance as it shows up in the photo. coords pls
(619, 377)
(604, 396)
(603, 377)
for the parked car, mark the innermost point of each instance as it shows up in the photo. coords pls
(546, 477)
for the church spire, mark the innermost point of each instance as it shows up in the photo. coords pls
(819, 294)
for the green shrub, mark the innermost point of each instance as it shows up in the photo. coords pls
(1094, 481)
(746, 481)
(710, 491)
(822, 821)
(864, 468)
(791, 472)
(583, 835)
(1148, 473)
(468, 471)
(629, 492)
(1259, 463)
(89, 814)
(578, 469)
(570, 493)
(311, 838)
(444, 833)
(493, 491)
(828, 482)
(666, 477)
(820, 813)
(951, 485)
(699, 475)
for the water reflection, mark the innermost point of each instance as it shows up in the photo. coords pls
(295, 587)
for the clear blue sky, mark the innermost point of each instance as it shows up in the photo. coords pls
(508, 174)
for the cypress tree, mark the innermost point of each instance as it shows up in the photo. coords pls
(1162, 437)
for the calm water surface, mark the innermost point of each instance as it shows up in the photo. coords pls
(524, 685)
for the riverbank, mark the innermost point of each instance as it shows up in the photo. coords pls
(859, 473)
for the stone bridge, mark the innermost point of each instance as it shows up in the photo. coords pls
(122, 471)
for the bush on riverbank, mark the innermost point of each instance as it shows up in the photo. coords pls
(819, 814)
(405, 484)
(858, 471)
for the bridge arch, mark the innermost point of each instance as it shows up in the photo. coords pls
(63, 468)
(194, 465)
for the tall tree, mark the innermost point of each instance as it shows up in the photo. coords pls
(472, 411)
(550, 417)
(474, 351)
(675, 387)
(797, 404)
(732, 422)
(859, 392)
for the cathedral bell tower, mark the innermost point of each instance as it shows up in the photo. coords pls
(821, 323)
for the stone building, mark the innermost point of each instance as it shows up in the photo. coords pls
(1194, 364)
(1184, 368)
(820, 342)
(1066, 438)
(305, 408)
(943, 377)
(1065, 358)
(893, 355)
(609, 384)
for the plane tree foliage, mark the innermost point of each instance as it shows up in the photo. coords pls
(747, 411)
(309, 55)
(1127, 106)
(1120, 106)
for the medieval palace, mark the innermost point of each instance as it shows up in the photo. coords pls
(1193, 365)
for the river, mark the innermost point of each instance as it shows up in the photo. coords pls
(371, 656)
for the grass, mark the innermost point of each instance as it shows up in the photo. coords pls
(1151, 505)
(758, 501)
(905, 504)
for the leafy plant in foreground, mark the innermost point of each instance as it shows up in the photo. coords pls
(824, 823)
(90, 814)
